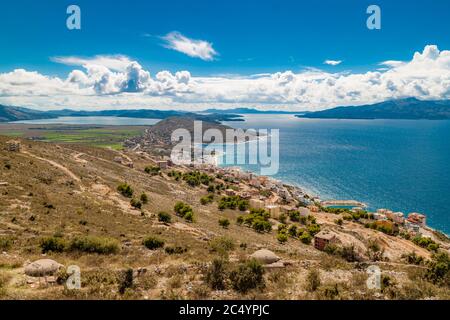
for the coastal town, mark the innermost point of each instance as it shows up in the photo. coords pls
(284, 203)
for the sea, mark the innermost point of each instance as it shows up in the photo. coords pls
(402, 165)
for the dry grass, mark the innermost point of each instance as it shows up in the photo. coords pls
(43, 201)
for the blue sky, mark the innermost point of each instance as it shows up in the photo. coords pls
(250, 37)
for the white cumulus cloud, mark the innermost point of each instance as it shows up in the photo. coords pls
(109, 82)
(191, 47)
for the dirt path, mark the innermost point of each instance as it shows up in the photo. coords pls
(78, 156)
(57, 165)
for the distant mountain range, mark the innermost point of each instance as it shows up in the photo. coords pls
(410, 108)
(8, 114)
(16, 114)
(250, 111)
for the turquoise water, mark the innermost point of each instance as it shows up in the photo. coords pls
(112, 121)
(397, 164)
(402, 165)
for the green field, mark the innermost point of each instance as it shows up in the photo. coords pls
(104, 137)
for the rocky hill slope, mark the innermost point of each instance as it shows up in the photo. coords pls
(62, 202)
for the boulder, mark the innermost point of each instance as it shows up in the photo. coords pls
(265, 256)
(43, 267)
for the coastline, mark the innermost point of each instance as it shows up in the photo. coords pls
(310, 198)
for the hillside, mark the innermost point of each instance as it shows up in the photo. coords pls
(159, 134)
(65, 198)
(17, 113)
(410, 108)
(9, 113)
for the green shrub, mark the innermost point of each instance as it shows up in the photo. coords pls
(152, 170)
(425, 242)
(5, 243)
(189, 216)
(257, 219)
(438, 270)
(222, 245)
(53, 244)
(282, 228)
(294, 216)
(305, 237)
(313, 229)
(331, 249)
(233, 202)
(196, 178)
(184, 210)
(211, 188)
(224, 223)
(177, 175)
(125, 280)
(153, 243)
(260, 225)
(282, 218)
(92, 244)
(175, 249)
(248, 276)
(164, 217)
(413, 258)
(349, 253)
(125, 190)
(144, 198)
(207, 199)
(216, 275)
(282, 237)
(335, 210)
(292, 231)
(339, 221)
(313, 280)
(136, 203)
